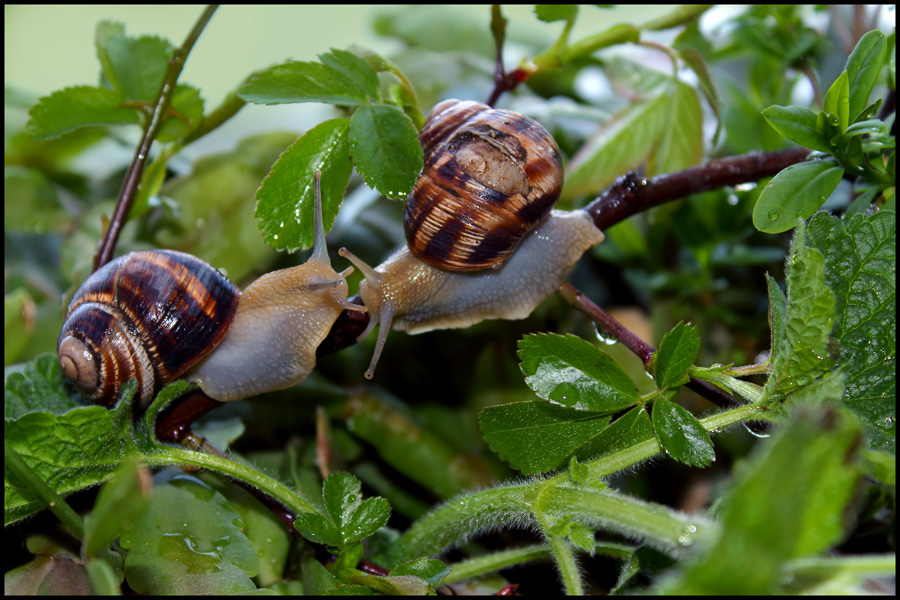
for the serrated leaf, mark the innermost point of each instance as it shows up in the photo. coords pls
(789, 502)
(318, 529)
(353, 68)
(860, 268)
(69, 452)
(386, 150)
(681, 143)
(681, 435)
(296, 81)
(677, 352)
(285, 197)
(629, 429)
(138, 65)
(806, 351)
(74, 107)
(863, 68)
(569, 371)
(40, 386)
(797, 124)
(621, 148)
(536, 437)
(350, 518)
(795, 193)
(189, 542)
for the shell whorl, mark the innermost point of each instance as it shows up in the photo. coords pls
(150, 316)
(490, 177)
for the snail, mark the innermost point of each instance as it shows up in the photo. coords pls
(483, 239)
(158, 315)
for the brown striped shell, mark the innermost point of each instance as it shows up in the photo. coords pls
(490, 177)
(148, 316)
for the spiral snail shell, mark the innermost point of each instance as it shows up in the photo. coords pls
(149, 316)
(483, 240)
(158, 315)
(490, 177)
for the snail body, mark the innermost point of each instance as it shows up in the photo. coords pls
(159, 315)
(476, 252)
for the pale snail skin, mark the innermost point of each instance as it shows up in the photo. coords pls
(281, 319)
(271, 343)
(406, 293)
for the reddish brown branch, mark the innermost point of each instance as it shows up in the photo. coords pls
(631, 194)
(641, 349)
(110, 238)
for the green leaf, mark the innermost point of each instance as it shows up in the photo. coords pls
(681, 143)
(188, 104)
(296, 81)
(74, 107)
(350, 519)
(121, 500)
(795, 193)
(40, 386)
(806, 351)
(790, 501)
(681, 435)
(677, 352)
(837, 100)
(536, 437)
(629, 429)
(860, 268)
(70, 452)
(777, 311)
(693, 59)
(863, 68)
(386, 150)
(139, 65)
(623, 147)
(797, 124)
(189, 542)
(429, 569)
(354, 69)
(549, 13)
(572, 372)
(285, 197)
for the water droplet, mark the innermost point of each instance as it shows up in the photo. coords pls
(604, 337)
(773, 215)
(275, 237)
(753, 429)
(733, 199)
(201, 223)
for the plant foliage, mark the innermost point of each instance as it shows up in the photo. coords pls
(455, 442)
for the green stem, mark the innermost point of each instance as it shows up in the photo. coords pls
(564, 558)
(869, 565)
(659, 526)
(459, 519)
(167, 455)
(65, 513)
(489, 563)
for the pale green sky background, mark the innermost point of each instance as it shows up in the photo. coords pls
(50, 47)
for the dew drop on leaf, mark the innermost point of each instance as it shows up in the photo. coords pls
(773, 215)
